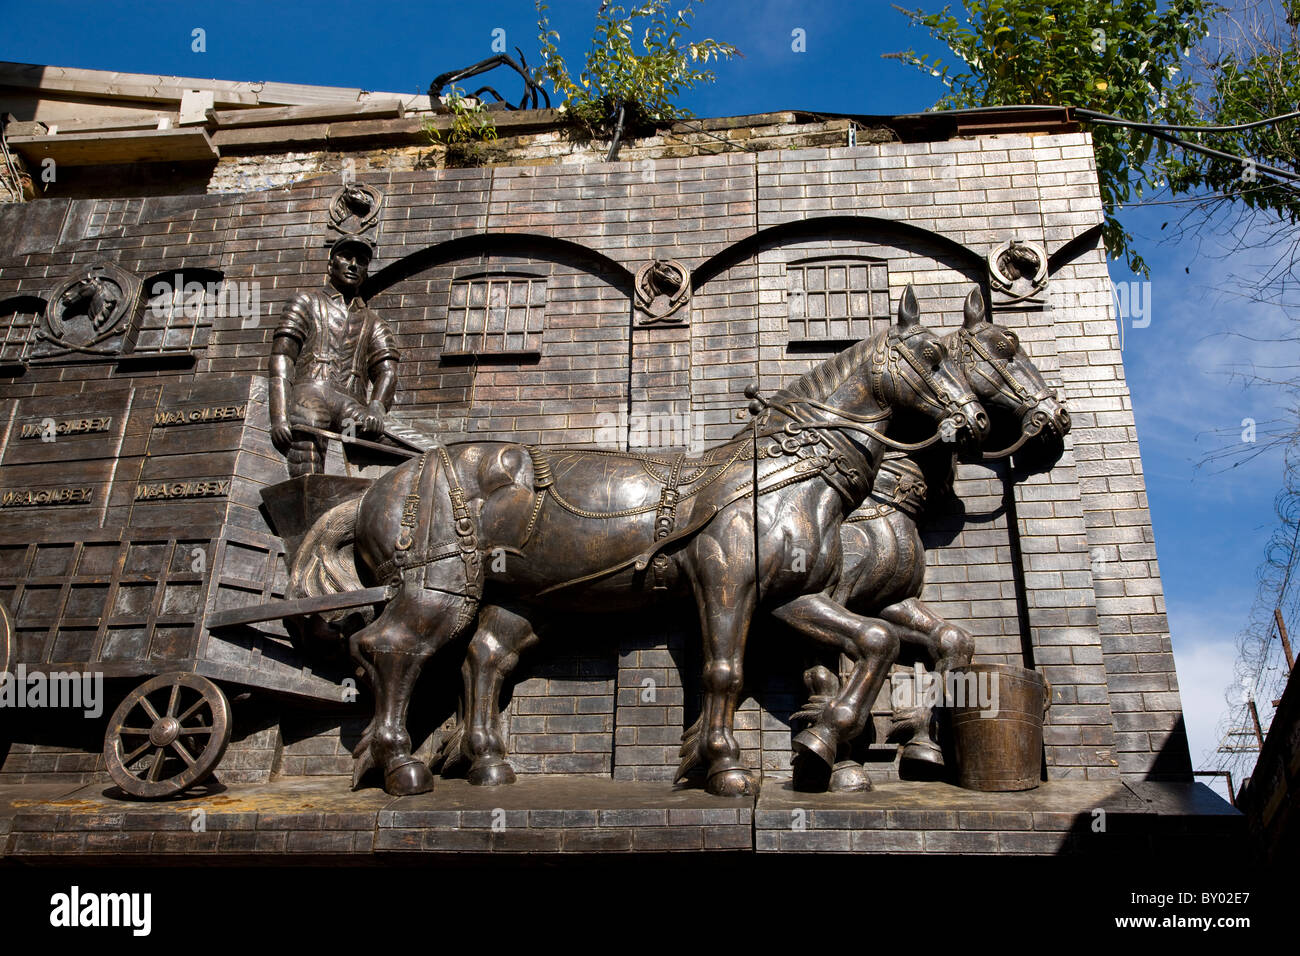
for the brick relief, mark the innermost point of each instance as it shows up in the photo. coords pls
(542, 261)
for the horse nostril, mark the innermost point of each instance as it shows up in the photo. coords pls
(982, 423)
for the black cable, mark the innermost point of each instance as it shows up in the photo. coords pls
(618, 134)
(1083, 110)
(699, 129)
(1105, 119)
(1202, 129)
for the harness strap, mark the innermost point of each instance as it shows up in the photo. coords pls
(465, 544)
(412, 559)
(411, 508)
(666, 518)
(804, 469)
(467, 539)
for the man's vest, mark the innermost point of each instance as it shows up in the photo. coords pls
(339, 341)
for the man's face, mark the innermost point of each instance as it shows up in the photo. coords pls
(348, 268)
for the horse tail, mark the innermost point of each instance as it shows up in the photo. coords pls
(692, 752)
(325, 564)
(449, 754)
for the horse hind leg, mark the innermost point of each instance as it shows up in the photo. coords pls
(873, 646)
(945, 647)
(492, 655)
(392, 651)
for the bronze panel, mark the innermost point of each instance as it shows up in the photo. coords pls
(84, 426)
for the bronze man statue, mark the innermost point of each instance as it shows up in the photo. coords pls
(328, 351)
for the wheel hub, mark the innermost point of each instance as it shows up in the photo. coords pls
(164, 731)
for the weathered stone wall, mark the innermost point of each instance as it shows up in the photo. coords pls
(1090, 608)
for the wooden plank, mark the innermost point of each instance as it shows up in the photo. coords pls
(105, 84)
(735, 122)
(152, 87)
(110, 121)
(127, 146)
(286, 115)
(257, 139)
(279, 610)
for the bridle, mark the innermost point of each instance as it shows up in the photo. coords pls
(1033, 419)
(887, 355)
(891, 354)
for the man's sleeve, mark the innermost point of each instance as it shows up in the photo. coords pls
(295, 320)
(382, 346)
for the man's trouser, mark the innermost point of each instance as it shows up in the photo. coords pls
(319, 405)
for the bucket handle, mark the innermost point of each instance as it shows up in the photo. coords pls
(1047, 702)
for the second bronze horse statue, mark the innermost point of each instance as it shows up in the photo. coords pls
(753, 522)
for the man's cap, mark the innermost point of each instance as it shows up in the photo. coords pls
(354, 239)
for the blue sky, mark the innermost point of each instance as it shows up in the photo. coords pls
(1210, 529)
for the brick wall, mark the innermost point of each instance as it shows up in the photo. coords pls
(1090, 610)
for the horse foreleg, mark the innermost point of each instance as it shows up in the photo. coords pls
(873, 647)
(493, 653)
(726, 608)
(392, 651)
(945, 646)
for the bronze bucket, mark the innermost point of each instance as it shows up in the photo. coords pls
(999, 748)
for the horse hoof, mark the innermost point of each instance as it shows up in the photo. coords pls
(813, 743)
(811, 773)
(924, 751)
(849, 777)
(409, 778)
(491, 775)
(731, 783)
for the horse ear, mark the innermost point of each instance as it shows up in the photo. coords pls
(909, 313)
(976, 313)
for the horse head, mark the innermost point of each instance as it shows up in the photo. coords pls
(1003, 376)
(912, 370)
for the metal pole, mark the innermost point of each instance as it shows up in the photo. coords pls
(1286, 641)
(1254, 716)
(1232, 797)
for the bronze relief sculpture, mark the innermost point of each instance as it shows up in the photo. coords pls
(885, 559)
(753, 524)
(333, 363)
(88, 314)
(883, 570)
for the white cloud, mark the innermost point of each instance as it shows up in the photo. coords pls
(1204, 653)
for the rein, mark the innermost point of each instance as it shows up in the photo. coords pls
(889, 352)
(795, 427)
(1009, 387)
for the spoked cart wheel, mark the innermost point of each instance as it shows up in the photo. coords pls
(167, 735)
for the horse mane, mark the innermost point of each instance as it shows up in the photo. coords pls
(834, 372)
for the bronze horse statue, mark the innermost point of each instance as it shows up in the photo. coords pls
(754, 521)
(882, 578)
(885, 559)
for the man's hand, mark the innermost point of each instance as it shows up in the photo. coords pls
(281, 436)
(372, 422)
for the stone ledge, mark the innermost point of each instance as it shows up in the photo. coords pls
(1077, 817)
(306, 818)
